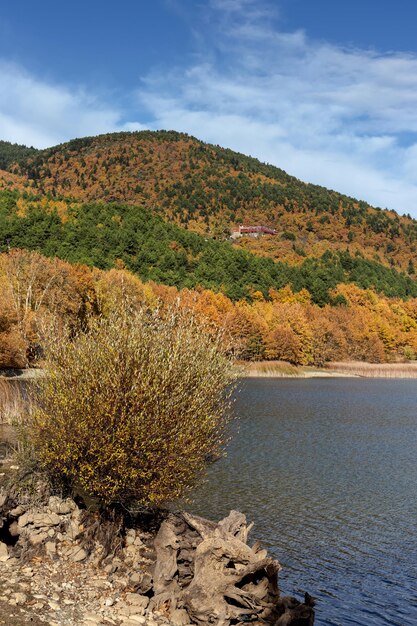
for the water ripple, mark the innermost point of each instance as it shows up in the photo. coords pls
(327, 470)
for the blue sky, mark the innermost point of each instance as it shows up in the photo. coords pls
(326, 90)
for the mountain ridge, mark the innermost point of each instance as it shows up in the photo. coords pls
(119, 203)
(212, 190)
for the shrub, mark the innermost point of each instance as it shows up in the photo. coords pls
(131, 409)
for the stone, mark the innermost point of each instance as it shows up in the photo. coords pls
(99, 583)
(14, 529)
(135, 620)
(137, 601)
(131, 550)
(25, 519)
(54, 503)
(4, 552)
(73, 529)
(125, 610)
(136, 577)
(50, 548)
(61, 507)
(20, 598)
(37, 538)
(28, 572)
(92, 618)
(24, 586)
(79, 554)
(17, 511)
(143, 580)
(76, 514)
(179, 617)
(42, 520)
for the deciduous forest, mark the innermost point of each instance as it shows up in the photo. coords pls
(148, 216)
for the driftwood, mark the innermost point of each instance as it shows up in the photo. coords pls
(210, 571)
(200, 572)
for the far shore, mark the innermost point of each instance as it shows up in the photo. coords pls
(283, 369)
(348, 369)
(29, 373)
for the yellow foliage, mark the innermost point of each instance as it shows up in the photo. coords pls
(37, 294)
(132, 409)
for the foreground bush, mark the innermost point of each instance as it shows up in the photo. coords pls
(131, 409)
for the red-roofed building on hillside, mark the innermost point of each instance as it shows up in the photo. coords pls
(253, 231)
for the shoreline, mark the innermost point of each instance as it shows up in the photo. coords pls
(65, 565)
(348, 369)
(282, 369)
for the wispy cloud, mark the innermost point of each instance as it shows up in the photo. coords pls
(341, 117)
(35, 112)
(344, 118)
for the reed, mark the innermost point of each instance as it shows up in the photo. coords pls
(375, 370)
(265, 369)
(11, 403)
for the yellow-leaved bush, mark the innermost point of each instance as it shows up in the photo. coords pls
(130, 410)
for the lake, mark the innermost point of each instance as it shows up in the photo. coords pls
(327, 470)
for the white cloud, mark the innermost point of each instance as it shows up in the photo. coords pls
(327, 114)
(34, 112)
(339, 117)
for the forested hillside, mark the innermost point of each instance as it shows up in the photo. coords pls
(148, 216)
(107, 235)
(41, 296)
(14, 153)
(210, 190)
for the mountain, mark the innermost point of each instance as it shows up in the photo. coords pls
(211, 191)
(334, 279)
(112, 234)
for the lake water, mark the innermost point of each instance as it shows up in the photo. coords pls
(327, 470)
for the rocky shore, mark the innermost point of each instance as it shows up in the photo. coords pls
(62, 565)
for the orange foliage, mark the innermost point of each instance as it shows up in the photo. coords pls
(40, 296)
(158, 170)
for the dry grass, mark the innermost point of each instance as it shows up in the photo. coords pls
(276, 369)
(375, 370)
(11, 403)
(281, 369)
